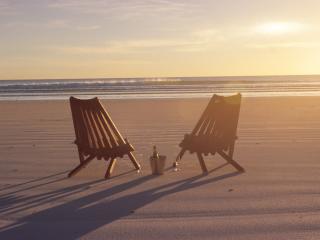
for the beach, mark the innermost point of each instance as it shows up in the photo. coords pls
(278, 197)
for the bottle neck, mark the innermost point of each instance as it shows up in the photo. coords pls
(155, 154)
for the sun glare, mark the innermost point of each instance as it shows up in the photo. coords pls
(279, 27)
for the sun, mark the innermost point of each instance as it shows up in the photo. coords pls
(279, 27)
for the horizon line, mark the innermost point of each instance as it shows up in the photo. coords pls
(154, 77)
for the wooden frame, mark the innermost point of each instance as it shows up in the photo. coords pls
(215, 131)
(97, 136)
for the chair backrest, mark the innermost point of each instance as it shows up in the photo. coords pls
(93, 126)
(219, 120)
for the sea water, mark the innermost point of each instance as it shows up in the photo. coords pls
(145, 88)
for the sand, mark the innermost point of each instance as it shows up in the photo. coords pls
(278, 197)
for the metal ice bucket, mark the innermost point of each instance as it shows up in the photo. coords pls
(158, 164)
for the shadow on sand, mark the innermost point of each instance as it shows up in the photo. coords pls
(34, 181)
(85, 214)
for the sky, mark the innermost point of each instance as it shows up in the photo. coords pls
(42, 39)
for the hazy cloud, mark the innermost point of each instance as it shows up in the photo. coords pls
(88, 28)
(285, 45)
(196, 41)
(125, 9)
(127, 46)
(52, 24)
(7, 8)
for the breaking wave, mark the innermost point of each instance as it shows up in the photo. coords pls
(126, 88)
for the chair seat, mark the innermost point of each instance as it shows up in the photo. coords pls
(108, 153)
(204, 144)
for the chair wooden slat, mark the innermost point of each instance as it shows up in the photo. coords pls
(215, 132)
(92, 141)
(204, 125)
(95, 130)
(110, 136)
(100, 126)
(76, 125)
(209, 128)
(199, 123)
(80, 129)
(87, 142)
(112, 126)
(97, 135)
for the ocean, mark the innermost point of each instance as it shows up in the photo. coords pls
(147, 88)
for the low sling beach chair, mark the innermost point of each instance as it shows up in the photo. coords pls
(97, 135)
(215, 131)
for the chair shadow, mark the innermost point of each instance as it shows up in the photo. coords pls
(96, 210)
(11, 204)
(33, 181)
(9, 200)
(172, 168)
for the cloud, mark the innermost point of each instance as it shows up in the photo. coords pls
(209, 34)
(195, 42)
(52, 24)
(88, 28)
(127, 46)
(7, 8)
(4, 5)
(56, 23)
(125, 9)
(96, 5)
(285, 45)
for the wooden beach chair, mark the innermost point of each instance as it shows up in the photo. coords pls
(215, 131)
(97, 135)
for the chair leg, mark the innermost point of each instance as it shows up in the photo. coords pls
(231, 150)
(81, 158)
(178, 158)
(231, 161)
(80, 166)
(202, 163)
(134, 161)
(110, 168)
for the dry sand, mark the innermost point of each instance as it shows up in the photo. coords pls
(278, 197)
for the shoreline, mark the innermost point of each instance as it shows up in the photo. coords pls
(154, 88)
(161, 99)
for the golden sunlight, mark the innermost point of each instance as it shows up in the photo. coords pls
(279, 27)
